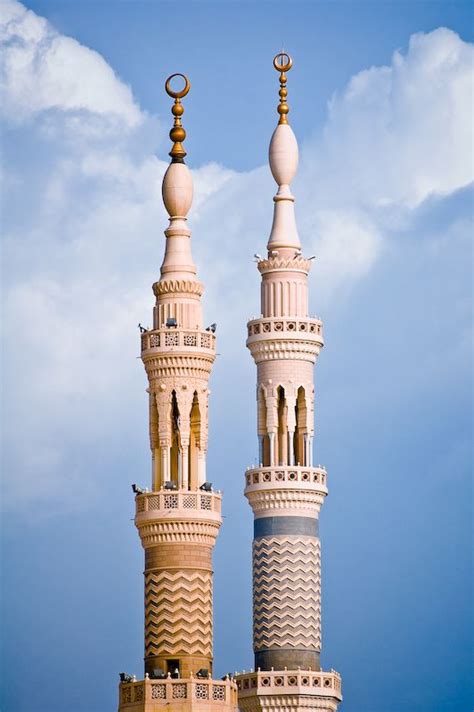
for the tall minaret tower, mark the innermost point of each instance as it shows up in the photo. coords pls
(287, 490)
(179, 519)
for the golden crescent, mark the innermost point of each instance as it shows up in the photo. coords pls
(283, 67)
(177, 94)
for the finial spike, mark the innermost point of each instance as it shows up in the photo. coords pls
(177, 133)
(283, 63)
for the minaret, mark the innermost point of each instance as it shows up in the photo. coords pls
(179, 518)
(287, 490)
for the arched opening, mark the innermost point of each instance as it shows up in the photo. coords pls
(154, 442)
(264, 441)
(194, 444)
(300, 431)
(175, 440)
(282, 427)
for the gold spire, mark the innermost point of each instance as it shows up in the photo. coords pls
(177, 133)
(283, 63)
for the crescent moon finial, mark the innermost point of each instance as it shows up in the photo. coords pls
(283, 63)
(177, 133)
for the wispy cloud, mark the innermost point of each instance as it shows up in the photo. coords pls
(44, 70)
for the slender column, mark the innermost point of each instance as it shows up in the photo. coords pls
(185, 464)
(165, 460)
(201, 467)
(291, 449)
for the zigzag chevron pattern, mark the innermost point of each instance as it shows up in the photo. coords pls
(178, 613)
(287, 592)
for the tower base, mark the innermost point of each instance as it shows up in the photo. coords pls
(178, 695)
(289, 691)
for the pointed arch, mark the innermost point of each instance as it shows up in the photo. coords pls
(194, 442)
(264, 441)
(175, 439)
(154, 423)
(282, 427)
(301, 429)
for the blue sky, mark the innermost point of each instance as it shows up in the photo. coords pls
(381, 102)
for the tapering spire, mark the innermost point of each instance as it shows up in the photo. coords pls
(283, 158)
(177, 191)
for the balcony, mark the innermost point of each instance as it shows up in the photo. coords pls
(182, 500)
(176, 339)
(286, 490)
(285, 328)
(286, 477)
(299, 682)
(277, 338)
(151, 695)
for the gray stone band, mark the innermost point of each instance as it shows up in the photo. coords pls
(290, 658)
(285, 526)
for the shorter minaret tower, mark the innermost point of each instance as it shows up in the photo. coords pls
(287, 490)
(179, 518)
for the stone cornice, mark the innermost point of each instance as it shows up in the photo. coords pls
(272, 264)
(277, 349)
(178, 286)
(164, 366)
(177, 531)
(281, 501)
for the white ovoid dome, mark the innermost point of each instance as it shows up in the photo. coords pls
(283, 154)
(177, 190)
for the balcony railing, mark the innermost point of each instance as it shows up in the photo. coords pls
(285, 326)
(171, 339)
(182, 500)
(286, 475)
(209, 692)
(298, 682)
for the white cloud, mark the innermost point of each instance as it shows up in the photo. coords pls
(401, 133)
(82, 259)
(43, 70)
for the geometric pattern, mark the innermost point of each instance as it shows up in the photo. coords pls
(178, 613)
(287, 592)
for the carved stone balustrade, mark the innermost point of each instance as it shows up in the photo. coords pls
(280, 338)
(192, 693)
(285, 327)
(286, 489)
(177, 516)
(289, 682)
(172, 339)
(151, 502)
(292, 475)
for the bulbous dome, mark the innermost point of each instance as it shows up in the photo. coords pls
(283, 154)
(177, 190)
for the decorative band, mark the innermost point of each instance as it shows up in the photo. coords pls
(285, 526)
